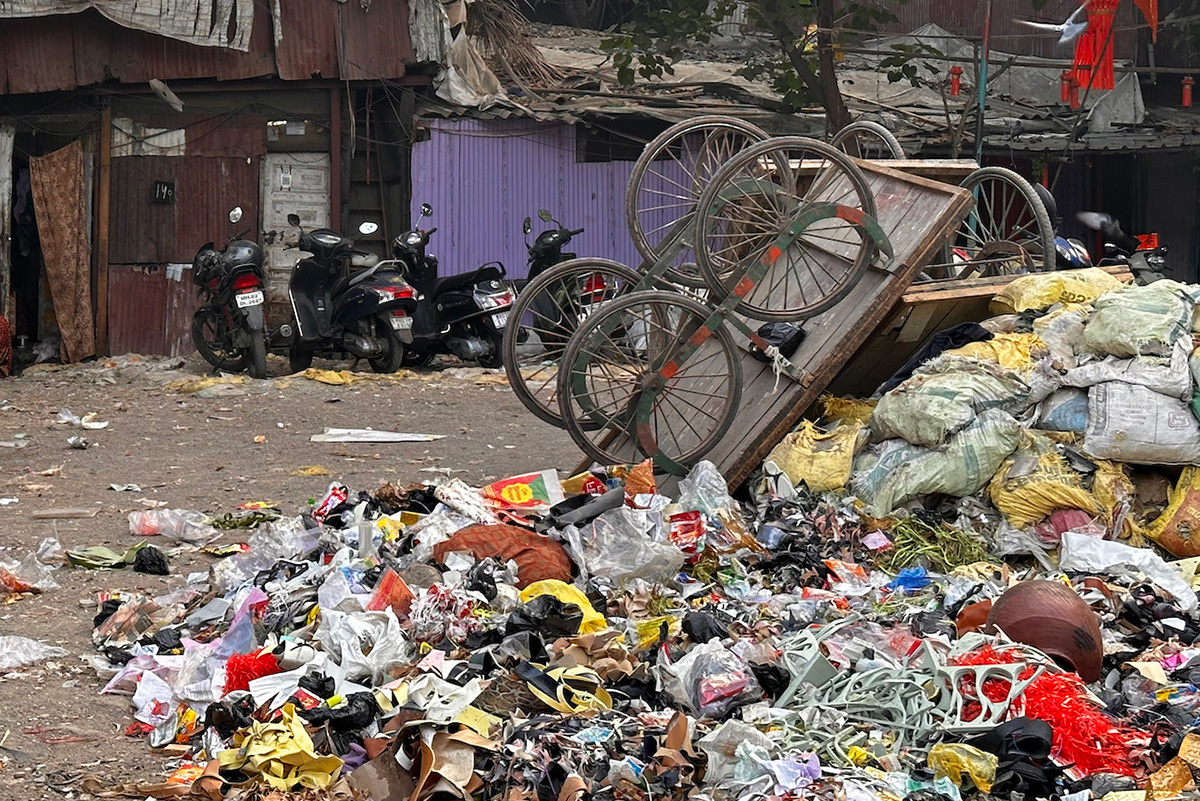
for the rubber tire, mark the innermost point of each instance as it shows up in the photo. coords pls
(718, 287)
(872, 128)
(205, 349)
(392, 360)
(257, 362)
(641, 167)
(299, 359)
(525, 300)
(575, 349)
(417, 358)
(1046, 233)
(496, 359)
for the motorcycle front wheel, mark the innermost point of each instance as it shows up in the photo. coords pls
(213, 340)
(393, 355)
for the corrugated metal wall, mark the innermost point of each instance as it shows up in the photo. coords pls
(484, 177)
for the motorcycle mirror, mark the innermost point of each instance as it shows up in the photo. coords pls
(1162, 249)
(545, 216)
(426, 210)
(235, 214)
(367, 228)
(294, 219)
(527, 226)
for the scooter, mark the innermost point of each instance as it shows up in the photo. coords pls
(547, 249)
(463, 315)
(1145, 257)
(228, 329)
(368, 314)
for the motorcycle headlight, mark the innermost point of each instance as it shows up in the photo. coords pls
(412, 238)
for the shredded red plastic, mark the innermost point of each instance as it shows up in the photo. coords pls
(1085, 736)
(245, 668)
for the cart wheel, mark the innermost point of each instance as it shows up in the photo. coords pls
(1008, 231)
(544, 316)
(646, 373)
(667, 180)
(866, 139)
(791, 241)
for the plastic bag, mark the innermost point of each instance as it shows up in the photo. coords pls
(1062, 331)
(1086, 554)
(180, 525)
(281, 539)
(954, 759)
(1140, 320)
(1177, 529)
(367, 645)
(547, 615)
(821, 460)
(592, 621)
(18, 651)
(1064, 410)
(1165, 376)
(943, 397)
(1013, 351)
(710, 680)
(705, 490)
(1035, 481)
(846, 410)
(722, 747)
(1041, 290)
(1115, 494)
(627, 543)
(1129, 423)
(963, 467)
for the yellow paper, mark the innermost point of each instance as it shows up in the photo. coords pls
(478, 721)
(1151, 670)
(282, 754)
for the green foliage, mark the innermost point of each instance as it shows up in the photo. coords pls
(902, 65)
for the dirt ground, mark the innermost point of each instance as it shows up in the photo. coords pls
(195, 451)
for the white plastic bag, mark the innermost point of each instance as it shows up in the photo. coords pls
(1140, 320)
(18, 651)
(368, 645)
(625, 543)
(705, 490)
(709, 680)
(1084, 553)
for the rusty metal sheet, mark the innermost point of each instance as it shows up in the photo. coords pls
(180, 305)
(37, 56)
(308, 47)
(140, 230)
(374, 42)
(206, 189)
(136, 309)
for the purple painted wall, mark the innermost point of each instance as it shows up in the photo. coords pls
(484, 177)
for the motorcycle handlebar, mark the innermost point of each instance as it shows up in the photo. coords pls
(575, 232)
(431, 230)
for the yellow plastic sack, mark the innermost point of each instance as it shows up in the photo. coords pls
(593, 621)
(281, 754)
(1177, 529)
(952, 760)
(1035, 481)
(846, 410)
(1039, 290)
(1014, 351)
(821, 460)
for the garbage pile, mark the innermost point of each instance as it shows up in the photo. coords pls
(965, 587)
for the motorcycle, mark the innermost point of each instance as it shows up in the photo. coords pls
(464, 315)
(228, 328)
(367, 314)
(560, 308)
(547, 249)
(1142, 254)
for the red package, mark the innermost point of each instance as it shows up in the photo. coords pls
(686, 531)
(391, 591)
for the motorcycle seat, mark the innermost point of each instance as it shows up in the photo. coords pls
(347, 281)
(453, 282)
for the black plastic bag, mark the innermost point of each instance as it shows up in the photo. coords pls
(152, 561)
(547, 616)
(784, 336)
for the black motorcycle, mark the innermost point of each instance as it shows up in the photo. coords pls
(463, 315)
(1143, 255)
(547, 249)
(228, 328)
(367, 314)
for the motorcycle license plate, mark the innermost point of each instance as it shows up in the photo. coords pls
(401, 323)
(500, 319)
(249, 299)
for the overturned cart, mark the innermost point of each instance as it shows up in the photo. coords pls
(737, 230)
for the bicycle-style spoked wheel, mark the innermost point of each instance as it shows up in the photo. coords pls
(646, 375)
(786, 225)
(544, 317)
(666, 182)
(867, 139)
(1007, 232)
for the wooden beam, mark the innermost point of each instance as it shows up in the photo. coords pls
(103, 188)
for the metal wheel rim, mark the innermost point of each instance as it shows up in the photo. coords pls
(872, 130)
(535, 383)
(667, 181)
(222, 355)
(753, 198)
(604, 381)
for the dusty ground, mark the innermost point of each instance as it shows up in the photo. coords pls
(195, 452)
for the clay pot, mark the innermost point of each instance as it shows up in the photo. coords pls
(1049, 616)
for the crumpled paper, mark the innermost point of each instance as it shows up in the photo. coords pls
(281, 754)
